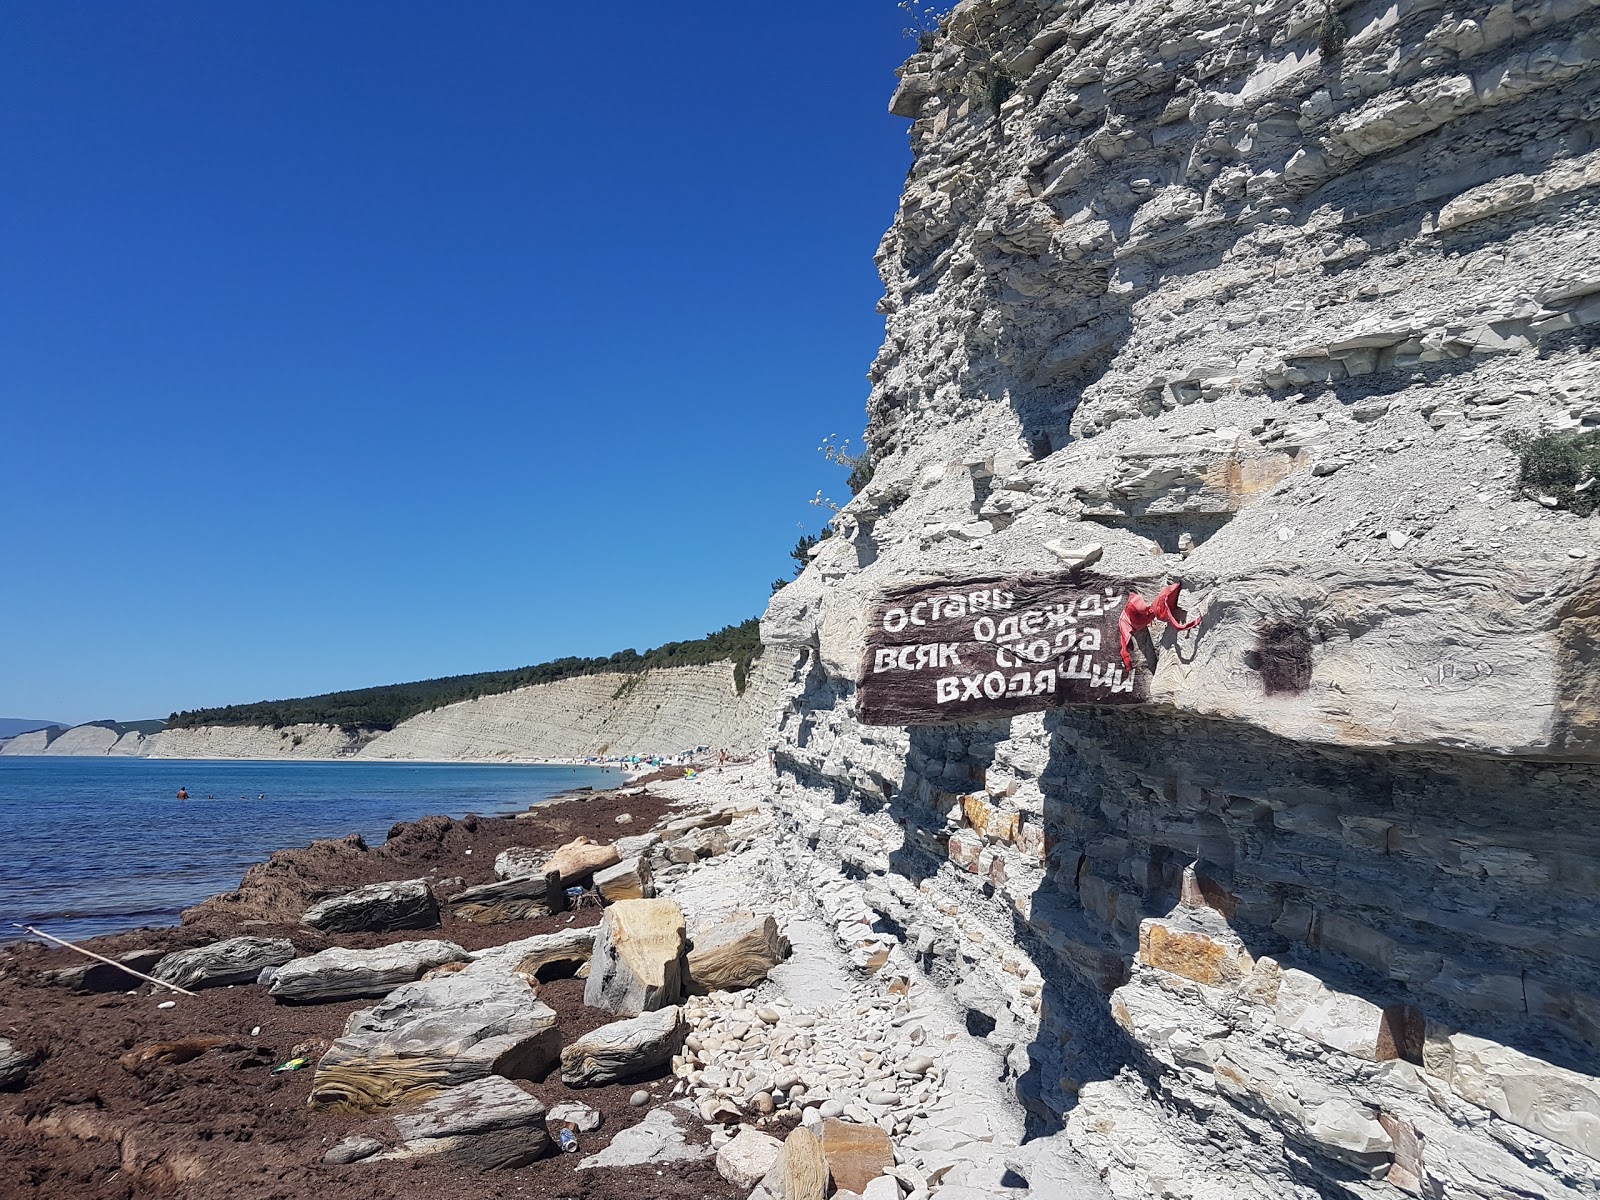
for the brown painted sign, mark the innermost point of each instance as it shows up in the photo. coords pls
(989, 648)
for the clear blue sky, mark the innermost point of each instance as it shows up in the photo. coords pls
(344, 344)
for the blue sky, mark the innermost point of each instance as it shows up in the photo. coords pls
(345, 344)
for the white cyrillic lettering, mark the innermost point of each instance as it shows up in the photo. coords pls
(1004, 599)
(945, 689)
(1090, 639)
(970, 686)
(983, 629)
(1044, 683)
(978, 602)
(904, 662)
(883, 660)
(1031, 622)
(916, 620)
(1021, 685)
(948, 656)
(894, 620)
(1078, 667)
(924, 656)
(994, 685)
(1008, 630)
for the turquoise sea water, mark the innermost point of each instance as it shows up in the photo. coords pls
(96, 845)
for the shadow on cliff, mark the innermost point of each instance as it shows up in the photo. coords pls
(1440, 888)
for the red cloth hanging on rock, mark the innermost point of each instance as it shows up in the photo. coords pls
(1137, 615)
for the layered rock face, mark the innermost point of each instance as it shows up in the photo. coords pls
(1250, 295)
(654, 712)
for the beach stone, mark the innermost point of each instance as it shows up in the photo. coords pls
(13, 1066)
(440, 1032)
(102, 977)
(580, 1116)
(831, 1108)
(658, 1139)
(517, 899)
(917, 1064)
(623, 1049)
(856, 1154)
(637, 846)
(340, 974)
(735, 954)
(883, 1098)
(487, 1124)
(745, 1161)
(637, 964)
(353, 1149)
(626, 880)
(884, 1187)
(376, 908)
(527, 957)
(233, 960)
(639, 1099)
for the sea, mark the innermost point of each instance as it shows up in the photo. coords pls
(99, 845)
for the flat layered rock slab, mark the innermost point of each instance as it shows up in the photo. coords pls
(856, 1154)
(14, 1066)
(629, 879)
(517, 899)
(528, 956)
(624, 1049)
(638, 958)
(233, 960)
(340, 974)
(377, 908)
(658, 1139)
(735, 954)
(435, 1034)
(488, 1124)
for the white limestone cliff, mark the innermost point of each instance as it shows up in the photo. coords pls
(1250, 295)
(653, 712)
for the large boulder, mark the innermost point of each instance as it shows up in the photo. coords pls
(735, 954)
(627, 880)
(14, 1066)
(856, 1154)
(437, 1033)
(638, 958)
(518, 899)
(527, 957)
(661, 1138)
(103, 977)
(340, 974)
(234, 960)
(623, 1049)
(377, 908)
(745, 1161)
(488, 1124)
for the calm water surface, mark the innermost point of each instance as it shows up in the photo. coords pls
(95, 845)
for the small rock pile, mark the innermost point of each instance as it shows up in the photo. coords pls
(768, 1060)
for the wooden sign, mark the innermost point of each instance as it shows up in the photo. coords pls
(989, 648)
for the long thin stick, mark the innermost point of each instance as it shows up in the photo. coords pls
(108, 961)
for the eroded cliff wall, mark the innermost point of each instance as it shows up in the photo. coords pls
(652, 712)
(1250, 296)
